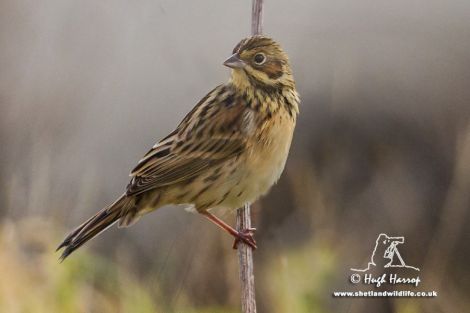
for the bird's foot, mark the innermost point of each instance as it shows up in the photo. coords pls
(245, 235)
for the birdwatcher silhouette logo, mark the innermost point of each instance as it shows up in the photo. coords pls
(386, 254)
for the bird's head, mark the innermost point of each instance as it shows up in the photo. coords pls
(259, 61)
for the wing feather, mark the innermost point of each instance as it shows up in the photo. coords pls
(215, 131)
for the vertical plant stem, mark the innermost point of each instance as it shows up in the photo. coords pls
(257, 17)
(245, 252)
(245, 262)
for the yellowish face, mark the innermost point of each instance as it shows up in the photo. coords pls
(261, 61)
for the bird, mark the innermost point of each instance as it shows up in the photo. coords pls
(228, 151)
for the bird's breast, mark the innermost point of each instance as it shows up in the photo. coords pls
(267, 158)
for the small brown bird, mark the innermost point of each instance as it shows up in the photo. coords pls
(228, 151)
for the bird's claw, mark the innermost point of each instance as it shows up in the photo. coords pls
(245, 235)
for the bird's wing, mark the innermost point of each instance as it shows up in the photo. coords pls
(216, 130)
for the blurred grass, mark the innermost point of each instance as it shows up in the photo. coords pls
(32, 279)
(291, 289)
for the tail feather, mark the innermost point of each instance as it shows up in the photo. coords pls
(95, 225)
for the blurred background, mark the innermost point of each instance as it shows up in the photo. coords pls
(382, 146)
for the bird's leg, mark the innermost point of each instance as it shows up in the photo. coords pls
(245, 235)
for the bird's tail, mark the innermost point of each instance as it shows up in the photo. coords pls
(96, 224)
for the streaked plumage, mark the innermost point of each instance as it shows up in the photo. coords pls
(228, 151)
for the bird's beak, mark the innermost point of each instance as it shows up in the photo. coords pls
(235, 62)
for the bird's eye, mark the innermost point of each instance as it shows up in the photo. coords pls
(259, 58)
